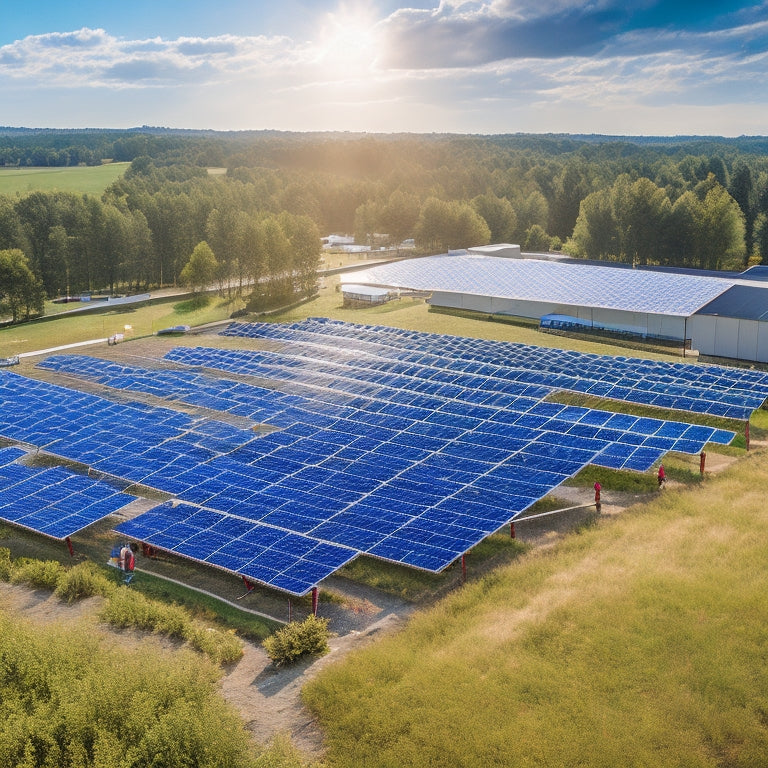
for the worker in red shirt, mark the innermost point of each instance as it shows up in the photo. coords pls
(662, 475)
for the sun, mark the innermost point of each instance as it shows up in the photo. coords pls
(348, 40)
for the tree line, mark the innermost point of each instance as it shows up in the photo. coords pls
(700, 203)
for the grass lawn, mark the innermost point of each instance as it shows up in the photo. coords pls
(144, 320)
(641, 641)
(91, 180)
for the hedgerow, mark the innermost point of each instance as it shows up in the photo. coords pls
(123, 607)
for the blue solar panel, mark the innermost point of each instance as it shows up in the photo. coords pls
(53, 501)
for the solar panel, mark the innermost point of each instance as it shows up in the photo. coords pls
(53, 501)
(277, 558)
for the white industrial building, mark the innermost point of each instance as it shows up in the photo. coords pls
(721, 316)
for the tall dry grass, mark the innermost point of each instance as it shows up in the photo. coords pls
(640, 642)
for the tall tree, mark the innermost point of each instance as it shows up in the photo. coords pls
(304, 239)
(200, 271)
(596, 233)
(742, 190)
(499, 215)
(21, 291)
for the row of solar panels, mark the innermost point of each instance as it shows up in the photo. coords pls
(717, 390)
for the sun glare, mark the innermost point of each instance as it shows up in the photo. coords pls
(347, 42)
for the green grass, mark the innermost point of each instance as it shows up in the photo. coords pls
(92, 180)
(640, 642)
(144, 321)
(205, 608)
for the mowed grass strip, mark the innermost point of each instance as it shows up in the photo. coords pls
(638, 642)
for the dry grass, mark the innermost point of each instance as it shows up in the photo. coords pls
(639, 642)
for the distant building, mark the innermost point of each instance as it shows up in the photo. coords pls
(720, 316)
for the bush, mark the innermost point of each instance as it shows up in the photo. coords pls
(84, 580)
(127, 608)
(69, 699)
(6, 567)
(40, 574)
(220, 647)
(297, 639)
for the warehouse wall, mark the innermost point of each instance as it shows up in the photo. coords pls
(729, 337)
(666, 326)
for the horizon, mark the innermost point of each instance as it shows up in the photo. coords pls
(467, 67)
(420, 134)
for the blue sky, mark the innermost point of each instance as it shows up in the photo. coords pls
(641, 67)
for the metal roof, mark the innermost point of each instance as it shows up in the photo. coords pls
(572, 283)
(742, 302)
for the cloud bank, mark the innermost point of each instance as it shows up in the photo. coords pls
(495, 66)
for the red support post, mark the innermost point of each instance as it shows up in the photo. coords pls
(512, 530)
(463, 568)
(746, 432)
(290, 611)
(702, 462)
(314, 601)
(70, 547)
(598, 488)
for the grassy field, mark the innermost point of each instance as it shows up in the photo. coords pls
(88, 180)
(143, 320)
(639, 642)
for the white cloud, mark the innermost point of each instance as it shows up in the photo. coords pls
(93, 58)
(485, 67)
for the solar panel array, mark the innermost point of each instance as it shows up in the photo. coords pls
(405, 447)
(713, 389)
(553, 282)
(53, 501)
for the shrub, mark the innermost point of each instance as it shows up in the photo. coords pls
(127, 608)
(220, 647)
(297, 639)
(70, 700)
(40, 574)
(6, 567)
(84, 580)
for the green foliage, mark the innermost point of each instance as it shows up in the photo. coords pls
(39, 574)
(200, 270)
(81, 581)
(127, 608)
(21, 292)
(206, 608)
(68, 701)
(297, 639)
(6, 565)
(220, 647)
